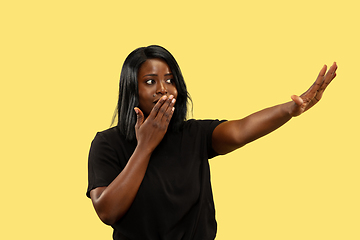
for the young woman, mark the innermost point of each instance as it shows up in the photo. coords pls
(149, 176)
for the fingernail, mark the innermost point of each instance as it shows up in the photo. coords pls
(173, 100)
(173, 109)
(136, 110)
(171, 97)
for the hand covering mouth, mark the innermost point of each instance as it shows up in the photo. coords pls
(158, 99)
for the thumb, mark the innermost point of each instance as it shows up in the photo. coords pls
(297, 100)
(295, 109)
(140, 117)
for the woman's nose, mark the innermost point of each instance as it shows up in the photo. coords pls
(161, 88)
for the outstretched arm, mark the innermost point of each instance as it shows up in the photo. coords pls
(231, 135)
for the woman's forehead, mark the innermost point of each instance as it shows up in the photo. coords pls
(154, 65)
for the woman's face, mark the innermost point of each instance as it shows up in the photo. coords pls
(155, 79)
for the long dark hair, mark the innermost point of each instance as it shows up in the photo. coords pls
(129, 95)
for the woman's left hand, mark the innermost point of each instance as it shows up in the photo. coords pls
(314, 93)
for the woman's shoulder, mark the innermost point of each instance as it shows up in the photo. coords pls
(109, 135)
(110, 132)
(202, 125)
(112, 137)
(202, 122)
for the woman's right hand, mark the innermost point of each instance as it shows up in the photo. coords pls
(150, 131)
(113, 201)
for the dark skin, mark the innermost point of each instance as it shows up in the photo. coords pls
(157, 94)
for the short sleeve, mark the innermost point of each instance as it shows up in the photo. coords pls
(103, 164)
(209, 126)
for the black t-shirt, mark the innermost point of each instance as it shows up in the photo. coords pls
(175, 198)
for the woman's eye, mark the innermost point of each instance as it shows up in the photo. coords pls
(150, 82)
(169, 81)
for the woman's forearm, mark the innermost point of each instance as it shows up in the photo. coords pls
(113, 201)
(231, 135)
(262, 122)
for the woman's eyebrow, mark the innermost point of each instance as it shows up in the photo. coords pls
(154, 75)
(150, 75)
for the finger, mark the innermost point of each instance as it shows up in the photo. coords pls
(334, 71)
(298, 107)
(140, 117)
(298, 100)
(311, 92)
(330, 75)
(169, 111)
(172, 110)
(319, 80)
(164, 109)
(154, 112)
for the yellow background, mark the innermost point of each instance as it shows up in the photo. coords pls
(60, 65)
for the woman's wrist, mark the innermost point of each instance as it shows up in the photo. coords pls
(144, 149)
(287, 109)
